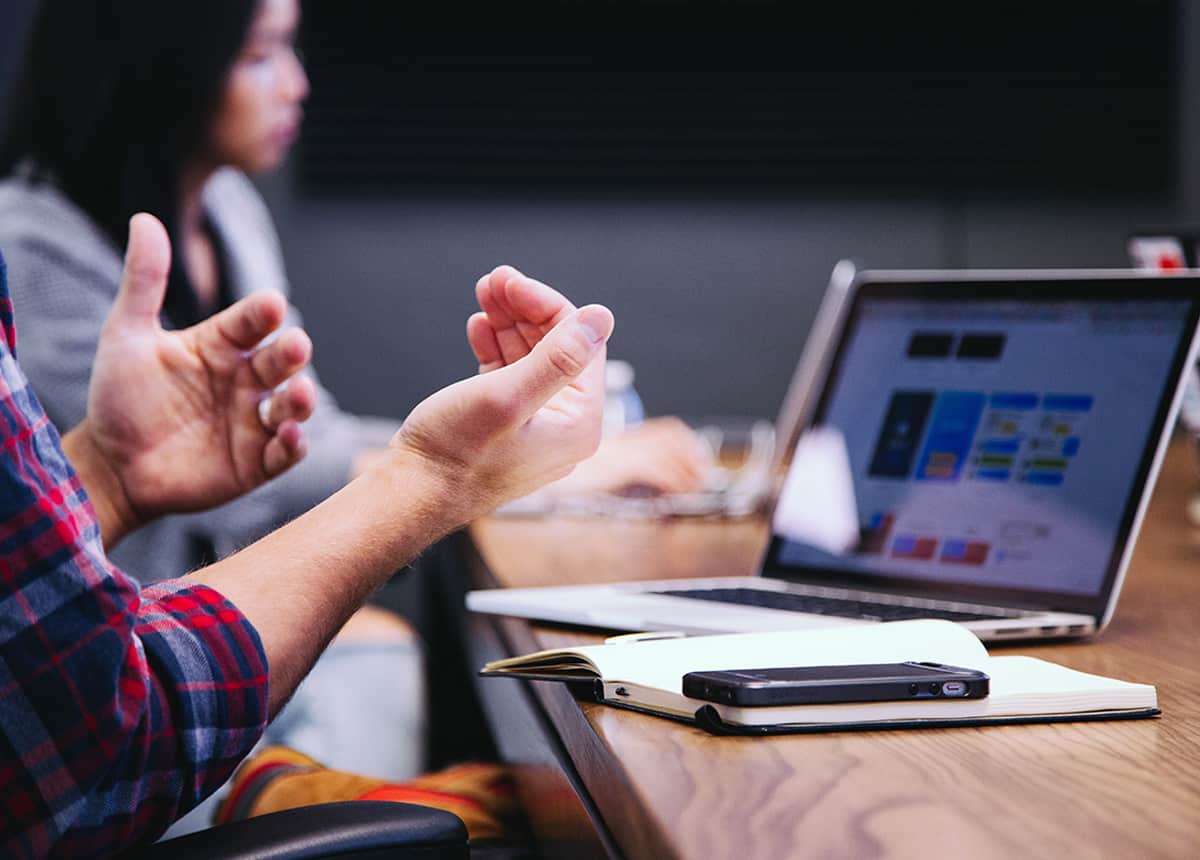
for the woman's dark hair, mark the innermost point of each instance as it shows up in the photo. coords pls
(113, 100)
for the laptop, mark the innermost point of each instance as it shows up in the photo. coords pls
(1002, 432)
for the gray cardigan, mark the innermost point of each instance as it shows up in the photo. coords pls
(63, 276)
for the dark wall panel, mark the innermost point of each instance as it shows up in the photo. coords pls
(769, 95)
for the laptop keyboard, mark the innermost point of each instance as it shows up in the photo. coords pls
(844, 608)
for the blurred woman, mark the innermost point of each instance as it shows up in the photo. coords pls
(140, 105)
(130, 105)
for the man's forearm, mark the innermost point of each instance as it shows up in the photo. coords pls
(299, 584)
(114, 513)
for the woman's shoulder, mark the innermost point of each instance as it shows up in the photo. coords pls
(230, 196)
(40, 226)
(240, 216)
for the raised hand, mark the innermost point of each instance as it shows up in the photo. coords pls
(459, 454)
(660, 455)
(663, 454)
(516, 312)
(174, 420)
(535, 409)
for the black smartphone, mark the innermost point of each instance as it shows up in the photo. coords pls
(812, 685)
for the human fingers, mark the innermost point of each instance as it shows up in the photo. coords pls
(489, 292)
(661, 469)
(561, 357)
(482, 338)
(244, 324)
(663, 454)
(680, 444)
(521, 309)
(486, 293)
(659, 478)
(528, 300)
(281, 359)
(679, 475)
(295, 402)
(144, 278)
(509, 294)
(534, 307)
(284, 449)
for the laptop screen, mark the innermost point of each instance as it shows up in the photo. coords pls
(998, 443)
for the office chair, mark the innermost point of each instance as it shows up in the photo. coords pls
(358, 829)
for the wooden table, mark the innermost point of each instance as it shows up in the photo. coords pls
(645, 787)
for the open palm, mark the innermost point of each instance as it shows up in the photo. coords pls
(533, 412)
(177, 414)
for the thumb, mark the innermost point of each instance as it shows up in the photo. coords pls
(144, 281)
(558, 358)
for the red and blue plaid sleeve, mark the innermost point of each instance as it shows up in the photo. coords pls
(120, 708)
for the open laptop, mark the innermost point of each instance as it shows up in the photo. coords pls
(1003, 432)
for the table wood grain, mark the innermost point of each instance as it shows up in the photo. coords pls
(1117, 789)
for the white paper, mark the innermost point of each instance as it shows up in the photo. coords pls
(817, 505)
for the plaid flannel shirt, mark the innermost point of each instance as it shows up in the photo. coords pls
(120, 707)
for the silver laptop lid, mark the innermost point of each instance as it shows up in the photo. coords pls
(1003, 430)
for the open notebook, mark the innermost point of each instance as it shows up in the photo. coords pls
(647, 675)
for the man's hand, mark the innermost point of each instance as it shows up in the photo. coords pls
(526, 420)
(174, 420)
(532, 413)
(660, 455)
(663, 454)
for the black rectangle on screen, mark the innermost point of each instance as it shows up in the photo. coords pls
(930, 344)
(986, 346)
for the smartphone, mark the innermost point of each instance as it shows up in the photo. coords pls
(812, 685)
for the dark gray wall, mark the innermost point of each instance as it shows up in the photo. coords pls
(713, 296)
(15, 16)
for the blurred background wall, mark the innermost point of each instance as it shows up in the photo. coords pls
(700, 167)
